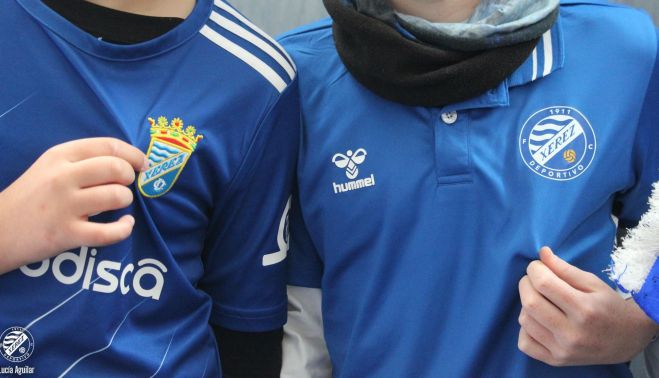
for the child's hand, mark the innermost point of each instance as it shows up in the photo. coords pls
(45, 211)
(571, 317)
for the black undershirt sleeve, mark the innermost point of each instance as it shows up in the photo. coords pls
(250, 354)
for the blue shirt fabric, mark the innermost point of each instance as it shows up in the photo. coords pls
(417, 223)
(209, 238)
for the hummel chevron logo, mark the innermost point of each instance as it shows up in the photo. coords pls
(349, 161)
(352, 173)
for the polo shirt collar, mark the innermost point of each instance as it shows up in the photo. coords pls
(547, 58)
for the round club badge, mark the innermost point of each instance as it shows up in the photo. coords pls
(558, 143)
(17, 344)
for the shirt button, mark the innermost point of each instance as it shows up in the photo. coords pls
(450, 118)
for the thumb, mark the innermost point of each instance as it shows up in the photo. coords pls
(573, 276)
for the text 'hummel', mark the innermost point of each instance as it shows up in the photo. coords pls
(354, 185)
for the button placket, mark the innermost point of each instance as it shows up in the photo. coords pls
(452, 161)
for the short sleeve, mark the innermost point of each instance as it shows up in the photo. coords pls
(633, 202)
(247, 243)
(305, 268)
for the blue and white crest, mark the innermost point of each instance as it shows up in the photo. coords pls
(165, 164)
(170, 148)
(558, 143)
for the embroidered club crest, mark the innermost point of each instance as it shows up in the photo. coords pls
(170, 148)
(558, 143)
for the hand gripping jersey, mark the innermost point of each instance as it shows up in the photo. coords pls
(213, 103)
(418, 223)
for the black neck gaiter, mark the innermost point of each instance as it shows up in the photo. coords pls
(415, 73)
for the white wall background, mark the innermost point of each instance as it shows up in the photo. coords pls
(277, 16)
(651, 6)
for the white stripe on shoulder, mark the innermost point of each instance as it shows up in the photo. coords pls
(244, 55)
(224, 6)
(535, 64)
(549, 53)
(256, 41)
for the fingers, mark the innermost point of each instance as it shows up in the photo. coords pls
(571, 317)
(102, 234)
(103, 170)
(575, 277)
(532, 348)
(102, 198)
(539, 308)
(93, 147)
(536, 330)
(557, 291)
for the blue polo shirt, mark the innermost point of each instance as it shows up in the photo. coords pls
(418, 223)
(214, 105)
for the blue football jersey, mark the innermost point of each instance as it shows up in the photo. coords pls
(214, 105)
(418, 223)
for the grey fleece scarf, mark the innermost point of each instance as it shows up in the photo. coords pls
(494, 23)
(412, 72)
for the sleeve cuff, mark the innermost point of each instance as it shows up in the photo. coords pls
(305, 279)
(648, 297)
(261, 320)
